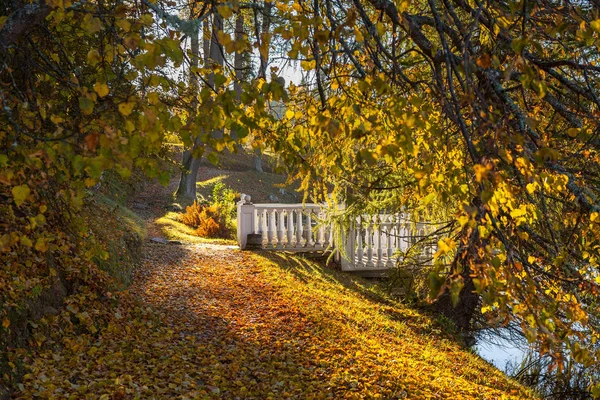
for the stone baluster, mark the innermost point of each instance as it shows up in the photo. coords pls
(379, 237)
(280, 229)
(409, 233)
(420, 236)
(299, 242)
(273, 228)
(320, 231)
(360, 252)
(264, 227)
(391, 240)
(350, 243)
(369, 243)
(290, 228)
(308, 229)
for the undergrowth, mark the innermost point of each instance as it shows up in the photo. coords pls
(215, 218)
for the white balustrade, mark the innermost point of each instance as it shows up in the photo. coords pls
(370, 243)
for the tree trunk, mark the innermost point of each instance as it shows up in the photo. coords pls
(264, 59)
(464, 311)
(238, 65)
(462, 314)
(189, 175)
(189, 172)
(206, 40)
(258, 161)
(216, 58)
(238, 61)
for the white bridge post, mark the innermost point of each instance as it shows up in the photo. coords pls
(245, 219)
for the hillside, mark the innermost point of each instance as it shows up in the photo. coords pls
(206, 320)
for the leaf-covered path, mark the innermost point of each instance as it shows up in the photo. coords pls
(288, 329)
(215, 322)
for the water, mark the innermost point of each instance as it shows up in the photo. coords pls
(496, 348)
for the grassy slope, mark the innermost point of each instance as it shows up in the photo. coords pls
(372, 336)
(236, 171)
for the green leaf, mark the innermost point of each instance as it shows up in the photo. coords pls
(435, 284)
(220, 79)
(213, 158)
(86, 105)
(366, 156)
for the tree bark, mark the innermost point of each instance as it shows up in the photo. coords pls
(264, 61)
(464, 311)
(190, 164)
(213, 55)
(189, 175)
(216, 58)
(238, 61)
(238, 65)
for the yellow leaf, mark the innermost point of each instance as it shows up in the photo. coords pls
(101, 89)
(225, 11)
(25, 241)
(89, 182)
(5, 323)
(126, 108)
(93, 57)
(20, 193)
(153, 98)
(41, 245)
(123, 24)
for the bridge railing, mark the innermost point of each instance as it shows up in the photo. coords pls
(372, 242)
(292, 227)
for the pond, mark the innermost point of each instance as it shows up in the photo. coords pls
(501, 347)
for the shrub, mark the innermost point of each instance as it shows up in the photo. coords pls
(224, 197)
(208, 220)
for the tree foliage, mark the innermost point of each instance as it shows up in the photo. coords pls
(483, 114)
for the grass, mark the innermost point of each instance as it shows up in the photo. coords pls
(378, 336)
(119, 237)
(236, 171)
(127, 217)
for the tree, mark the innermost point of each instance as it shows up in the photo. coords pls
(263, 39)
(190, 158)
(480, 116)
(215, 76)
